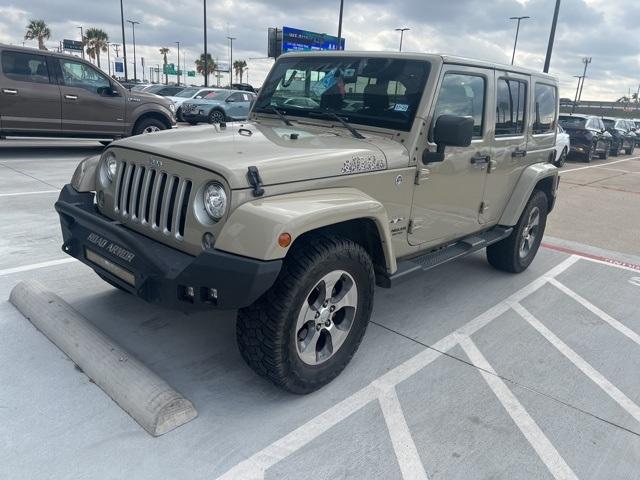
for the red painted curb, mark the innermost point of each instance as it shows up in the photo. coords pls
(600, 258)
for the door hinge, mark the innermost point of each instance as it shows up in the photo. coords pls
(415, 224)
(484, 207)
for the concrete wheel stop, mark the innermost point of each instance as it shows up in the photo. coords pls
(146, 397)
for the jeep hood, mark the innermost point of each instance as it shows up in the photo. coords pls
(280, 157)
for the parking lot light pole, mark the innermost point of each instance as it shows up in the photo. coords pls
(340, 25)
(515, 43)
(109, 57)
(552, 36)
(124, 43)
(206, 63)
(81, 39)
(231, 39)
(133, 27)
(178, 73)
(401, 30)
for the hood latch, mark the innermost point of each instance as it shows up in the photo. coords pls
(256, 182)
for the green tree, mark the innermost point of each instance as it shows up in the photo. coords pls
(38, 30)
(96, 41)
(164, 51)
(211, 65)
(238, 67)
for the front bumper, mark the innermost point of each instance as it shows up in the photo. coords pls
(154, 272)
(195, 116)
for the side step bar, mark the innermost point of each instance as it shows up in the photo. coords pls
(463, 247)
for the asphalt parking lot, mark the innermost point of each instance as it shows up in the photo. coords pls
(465, 372)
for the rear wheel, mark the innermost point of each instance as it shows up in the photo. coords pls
(562, 158)
(605, 154)
(216, 116)
(304, 331)
(629, 151)
(516, 252)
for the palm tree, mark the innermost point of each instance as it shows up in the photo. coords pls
(238, 67)
(96, 41)
(211, 65)
(164, 51)
(38, 30)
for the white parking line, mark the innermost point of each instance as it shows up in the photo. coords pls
(626, 331)
(35, 266)
(406, 451)
(529, 428)
(598, 166)
(17, 194)
(255, 466)
(595, 376)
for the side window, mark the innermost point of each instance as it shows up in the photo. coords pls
(545, 109)
(236, 97)
(510, 107)
(462, 95)
(591, 124)
(79, 75)
(25, 67)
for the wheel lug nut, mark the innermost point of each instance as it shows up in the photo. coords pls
(317, 314)
(332, 308)
(327, 323)
(318, 327)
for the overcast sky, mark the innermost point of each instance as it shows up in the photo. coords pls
(606, 30)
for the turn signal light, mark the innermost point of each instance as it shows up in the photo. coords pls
(284, 240)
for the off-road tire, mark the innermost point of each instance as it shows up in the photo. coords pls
(265, 331)
(148, 124)
(216, 116)
(562, 158)
(505, 254)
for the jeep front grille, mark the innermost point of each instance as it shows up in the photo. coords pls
(151, 197)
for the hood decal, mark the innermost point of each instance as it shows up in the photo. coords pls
(360, 163)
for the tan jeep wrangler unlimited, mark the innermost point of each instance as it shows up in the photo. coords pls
(354, 169)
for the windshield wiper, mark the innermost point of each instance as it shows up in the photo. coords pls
(335, 116)
(279, 113)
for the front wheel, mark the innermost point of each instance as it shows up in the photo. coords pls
(216, 116)
(148, 125)
(516, 252)
(304, 331)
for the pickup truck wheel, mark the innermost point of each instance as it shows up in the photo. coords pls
(516, 252)
(148, 125)
(304, 331)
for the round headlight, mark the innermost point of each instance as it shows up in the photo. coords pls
(110, 166)
(215, 200)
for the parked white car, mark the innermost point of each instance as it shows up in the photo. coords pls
(187, 94)
(563, 146)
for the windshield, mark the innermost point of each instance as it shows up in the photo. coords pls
(379, 92)
(187, 92)
(572, 122)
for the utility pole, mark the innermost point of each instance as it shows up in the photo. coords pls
(586, 61)
(575, 100)
(206, 62)
(515, 44)
(340, 25)
(124, 44)
(116, 47)
(178, 43)
(401, 30)
(133, 27)
(81, 39)
(109, 57)
(552, 36)
(231, 39)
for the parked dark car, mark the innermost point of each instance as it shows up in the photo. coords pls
(219, 106)
(165, 90)
(245, 87)
(588, 136)
(633, 127)
(623, 137)
(43, 93)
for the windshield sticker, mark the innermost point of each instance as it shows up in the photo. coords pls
(331, 79)
(401, 107)
(360, 164)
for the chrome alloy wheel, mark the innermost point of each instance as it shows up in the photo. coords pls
(530, 233)
(326, 317)
(151, 129)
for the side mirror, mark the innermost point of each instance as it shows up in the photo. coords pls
(452, 131)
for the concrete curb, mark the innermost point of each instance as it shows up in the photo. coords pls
(151, 401)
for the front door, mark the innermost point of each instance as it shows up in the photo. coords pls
(29, 94)
(238, 105)
(448, 195)
(90, 103)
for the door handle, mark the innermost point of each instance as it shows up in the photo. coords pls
(480, 159)
(70, 97)
(10, 91)
(518, 152)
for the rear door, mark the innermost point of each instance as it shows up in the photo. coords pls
(91, 104)
(509, 154)
(29, 95)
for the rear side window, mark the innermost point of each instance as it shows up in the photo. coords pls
(510, 107)
(545, 109)
(25, 67)
(462, 95)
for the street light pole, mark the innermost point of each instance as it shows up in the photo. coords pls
(81, 39)
(515, 44)
(586, 61)
(552, 36)
(178, 43)
(109, 57)
(231, 39)
(340, 25)
(124, 43)
(133, 27)
(206, 62)
(401, 30)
